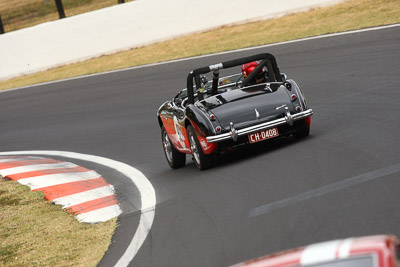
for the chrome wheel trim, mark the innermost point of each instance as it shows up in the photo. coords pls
(167, 147)
(193, 148)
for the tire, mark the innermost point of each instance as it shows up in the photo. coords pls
(201, 160)
(303, 130)
(174, 158)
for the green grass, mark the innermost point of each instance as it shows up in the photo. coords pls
(37, 233)
(350, 15)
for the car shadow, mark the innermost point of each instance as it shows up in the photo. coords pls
(255, 150)
(241, 154)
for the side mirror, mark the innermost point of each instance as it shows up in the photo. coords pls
(284, 77)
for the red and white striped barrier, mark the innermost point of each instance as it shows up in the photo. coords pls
(80, 191)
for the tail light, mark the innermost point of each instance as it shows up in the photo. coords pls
(308, 121)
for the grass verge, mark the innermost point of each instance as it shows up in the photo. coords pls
(36, 233)
(350, 15)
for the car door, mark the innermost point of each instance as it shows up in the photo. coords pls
(179, 117)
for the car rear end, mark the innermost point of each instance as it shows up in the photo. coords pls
(255, 114)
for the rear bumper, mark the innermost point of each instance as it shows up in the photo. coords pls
(234, 134)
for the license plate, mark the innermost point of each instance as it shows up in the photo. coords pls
(263, 135)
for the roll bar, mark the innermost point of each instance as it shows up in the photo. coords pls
(267, 60)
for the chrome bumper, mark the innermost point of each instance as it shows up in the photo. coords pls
(234, 134)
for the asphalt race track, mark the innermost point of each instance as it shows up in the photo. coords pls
(341, 181)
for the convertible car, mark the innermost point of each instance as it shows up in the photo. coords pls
(368, 251)
(217, 113)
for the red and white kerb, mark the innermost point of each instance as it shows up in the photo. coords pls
(80, 191)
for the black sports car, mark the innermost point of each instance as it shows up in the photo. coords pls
(217, 114)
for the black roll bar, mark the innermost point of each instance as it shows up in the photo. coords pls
(267, 60)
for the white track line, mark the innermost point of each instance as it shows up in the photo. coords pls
(147, 196)
(343, 184)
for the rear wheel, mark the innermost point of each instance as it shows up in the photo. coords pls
(202, 160)
(174, 158)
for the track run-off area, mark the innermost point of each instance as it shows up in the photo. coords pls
(341, 181)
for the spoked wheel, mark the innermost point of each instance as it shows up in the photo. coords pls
(202, 160)
(174, 158)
